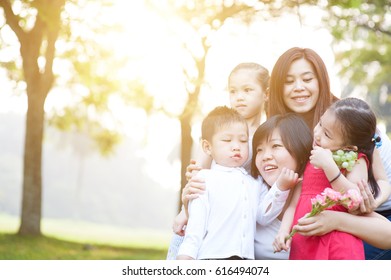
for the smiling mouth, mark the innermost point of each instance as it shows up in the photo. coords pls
(270, 167)
(301, 98)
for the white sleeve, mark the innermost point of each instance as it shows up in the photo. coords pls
(271, 205)
(196, 226)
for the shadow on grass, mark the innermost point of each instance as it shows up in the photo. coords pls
(16, 247)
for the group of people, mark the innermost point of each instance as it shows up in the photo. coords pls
(253, 183)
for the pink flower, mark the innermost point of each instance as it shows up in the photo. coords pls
(329, 197)
(351, 199)
(320, 199)
(332, 194)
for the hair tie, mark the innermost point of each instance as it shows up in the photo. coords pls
(377, 139)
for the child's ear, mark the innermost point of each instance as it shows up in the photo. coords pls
(206, 147)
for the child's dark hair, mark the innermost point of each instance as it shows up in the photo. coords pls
(295, 135)
(219, 117)
(358, 126)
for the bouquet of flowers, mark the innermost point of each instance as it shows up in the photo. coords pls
(329, 197)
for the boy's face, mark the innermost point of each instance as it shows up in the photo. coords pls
(229, 146)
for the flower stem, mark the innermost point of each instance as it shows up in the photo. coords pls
(290, 235)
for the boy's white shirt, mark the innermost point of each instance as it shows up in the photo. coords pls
(216, 231)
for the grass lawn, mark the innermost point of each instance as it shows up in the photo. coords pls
(70, 240)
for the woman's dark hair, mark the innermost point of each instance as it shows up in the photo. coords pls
(295, 135)
(275, 103)
(358, 126)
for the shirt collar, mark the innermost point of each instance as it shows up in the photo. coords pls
(219, 167)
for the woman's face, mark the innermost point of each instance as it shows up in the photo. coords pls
(301, 88)
(272, 156)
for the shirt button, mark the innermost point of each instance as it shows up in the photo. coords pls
(277, 195)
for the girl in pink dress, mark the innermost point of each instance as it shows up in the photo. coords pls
(349, 124)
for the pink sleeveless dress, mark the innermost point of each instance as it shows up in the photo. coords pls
(335, 245)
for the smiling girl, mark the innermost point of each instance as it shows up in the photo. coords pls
(349, 124)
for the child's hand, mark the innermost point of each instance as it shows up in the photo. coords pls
(184, 257)
(279, 242)
(321, 158)
(179, 224)
(287, 179)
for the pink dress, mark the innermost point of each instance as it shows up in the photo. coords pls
(335, 245)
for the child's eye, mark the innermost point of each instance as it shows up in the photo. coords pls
(276, 145)
(247, 89)
(226, 140)
(259, 150)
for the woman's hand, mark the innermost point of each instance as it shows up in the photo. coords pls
(368, 203)
(317, 225)
(193, 189)
(192, 169)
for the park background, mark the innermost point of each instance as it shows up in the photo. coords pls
(102, 101)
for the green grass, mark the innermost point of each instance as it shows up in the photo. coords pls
(70, 240)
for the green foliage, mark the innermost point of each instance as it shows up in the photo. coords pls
(15, 247)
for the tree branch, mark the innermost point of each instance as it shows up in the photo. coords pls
(12, 19)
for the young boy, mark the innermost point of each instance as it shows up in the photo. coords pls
(222, 220)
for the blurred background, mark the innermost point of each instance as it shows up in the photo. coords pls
(101, 102)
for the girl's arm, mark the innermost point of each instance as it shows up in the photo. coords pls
(323, 158)
(279, 242)
(372, 228)
(273, 202)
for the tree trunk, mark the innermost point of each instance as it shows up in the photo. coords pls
(39, 81)
(32, 173)
(186, 145)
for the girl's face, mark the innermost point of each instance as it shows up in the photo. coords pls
(229, 145)
(245, 93)
(301, 88)
(272, 156)
(327, 133)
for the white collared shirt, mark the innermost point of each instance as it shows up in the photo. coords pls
(268, 224)
(222, 220)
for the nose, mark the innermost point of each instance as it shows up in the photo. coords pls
(235, 148)
(240, 95)
(267, 155)
(299, 86)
